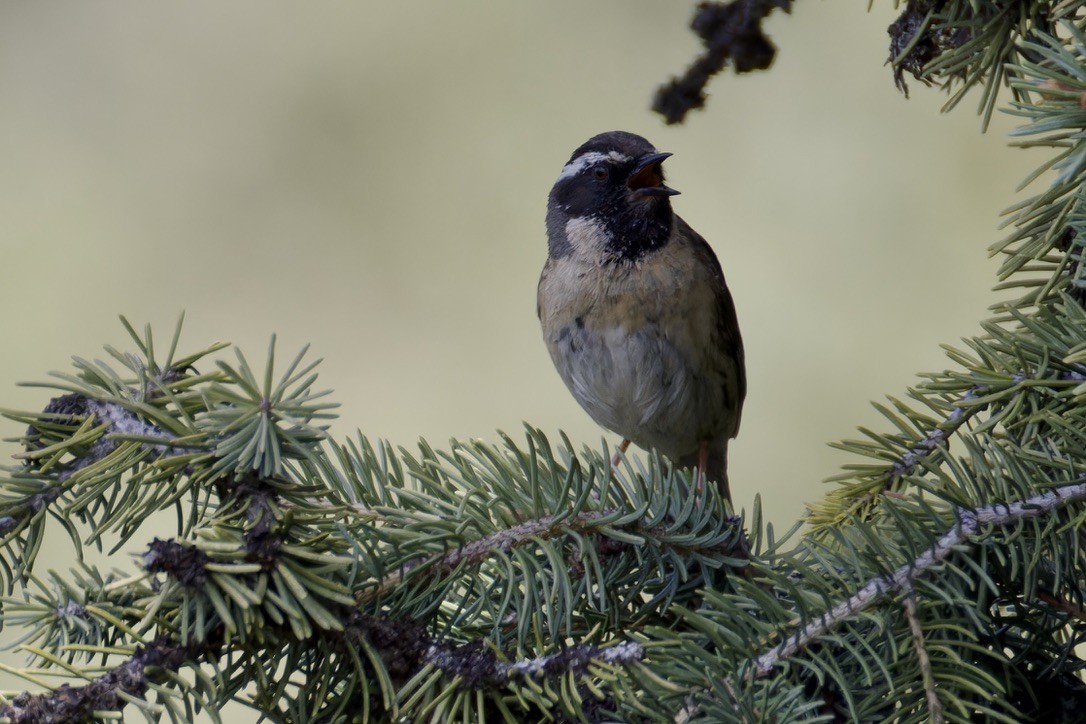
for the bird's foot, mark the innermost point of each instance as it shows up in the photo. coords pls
(617, 457)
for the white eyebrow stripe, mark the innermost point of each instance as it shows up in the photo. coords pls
(585, 160)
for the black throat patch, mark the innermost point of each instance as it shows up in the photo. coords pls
(634, 232)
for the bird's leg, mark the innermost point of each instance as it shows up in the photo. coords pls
(703, 462)
(617, 457)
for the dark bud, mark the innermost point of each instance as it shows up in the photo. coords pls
(263, 549)
(919, 36)
(1072, 246)
(63, 410)
(67, 405)
(182, 562)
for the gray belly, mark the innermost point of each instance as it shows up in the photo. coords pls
(641, 387)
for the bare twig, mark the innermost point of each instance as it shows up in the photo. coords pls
(935, 707)
(1071, 609)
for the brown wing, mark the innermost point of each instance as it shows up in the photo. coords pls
(728, 323)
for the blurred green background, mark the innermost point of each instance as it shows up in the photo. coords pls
(371, 178)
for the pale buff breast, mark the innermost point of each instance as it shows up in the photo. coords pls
(634, 344)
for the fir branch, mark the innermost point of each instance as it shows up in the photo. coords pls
(258, 497)
(150, 664)
(28, 508)
(74, 616)
(479, 550)
(1071, 244)
(525, 581)
(403, 645)
(935, 707)
(969, 523)
(477, 667)
(528, 533)
(938, 436)
(729, 31)
(413, 659)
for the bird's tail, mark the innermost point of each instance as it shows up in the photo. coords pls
(716, 466)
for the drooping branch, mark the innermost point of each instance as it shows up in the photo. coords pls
(729, 31)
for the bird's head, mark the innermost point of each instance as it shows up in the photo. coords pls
(610, 199)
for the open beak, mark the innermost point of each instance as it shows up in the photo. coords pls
(647, 180)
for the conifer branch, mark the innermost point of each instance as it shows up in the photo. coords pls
(938, 436)
(529, 532)
(473, 665)
(149, 664)
(404, 645)
(479, 550)
(479, 668)
(969, 523)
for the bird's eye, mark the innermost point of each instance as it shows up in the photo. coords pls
(599, 173)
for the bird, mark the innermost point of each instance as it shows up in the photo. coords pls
(635, 310)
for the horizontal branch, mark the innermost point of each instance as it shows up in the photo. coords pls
(148, 665)
(478, 666)
(526, 533)
(479, 550)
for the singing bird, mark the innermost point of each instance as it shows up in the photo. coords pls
(635, 310)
